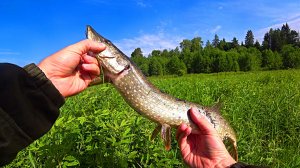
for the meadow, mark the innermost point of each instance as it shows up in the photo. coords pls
(98, 129)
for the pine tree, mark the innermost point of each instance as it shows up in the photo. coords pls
(276, 42)
(294, 38)
(249, 39)
(285, 34)
(257, 45)
(216, 41)
(223, 45)
(266, 44)
(234, 43)
(208, 44)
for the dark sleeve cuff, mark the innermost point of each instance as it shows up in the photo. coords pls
(44, 84)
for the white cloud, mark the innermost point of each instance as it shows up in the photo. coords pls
(4, 52)
(142, 3)
(149, 42)
(214, 30)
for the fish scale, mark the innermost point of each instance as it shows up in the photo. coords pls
(150, 102)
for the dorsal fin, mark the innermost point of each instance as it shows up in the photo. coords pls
(216, 107)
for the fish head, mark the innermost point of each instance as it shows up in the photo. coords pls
(111, 59)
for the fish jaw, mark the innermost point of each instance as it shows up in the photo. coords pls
(112, 59)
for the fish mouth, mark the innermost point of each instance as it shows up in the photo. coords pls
(110, 63)
(115, 77)
(123, 72)
(127, 67)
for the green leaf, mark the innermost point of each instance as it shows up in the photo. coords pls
(81, 120)
(126, 132)
(32, 160)
(70, 161)
(132, 155)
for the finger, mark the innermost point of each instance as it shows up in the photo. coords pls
(90, 59)
(92, 69)
(183, 141)
(180, 130)
(87, 45)
(182, 136)
(201, 121)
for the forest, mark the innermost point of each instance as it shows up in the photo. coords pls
(280, 49)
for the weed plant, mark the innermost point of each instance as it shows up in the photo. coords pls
(98, 129)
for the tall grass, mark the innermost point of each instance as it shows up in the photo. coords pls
(98, 129)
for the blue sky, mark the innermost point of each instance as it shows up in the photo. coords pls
(33, 30)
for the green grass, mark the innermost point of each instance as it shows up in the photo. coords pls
(98, 129)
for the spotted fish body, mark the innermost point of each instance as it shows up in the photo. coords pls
(149, 101)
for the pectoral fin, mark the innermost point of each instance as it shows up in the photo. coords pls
(155, 132)
(166, 135)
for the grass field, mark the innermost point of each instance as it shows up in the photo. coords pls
(98, 129)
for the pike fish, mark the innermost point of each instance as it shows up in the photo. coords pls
(150, 102)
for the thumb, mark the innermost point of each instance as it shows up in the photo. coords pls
(203, 123)
(87, 45)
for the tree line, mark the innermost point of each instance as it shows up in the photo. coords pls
(280, 49)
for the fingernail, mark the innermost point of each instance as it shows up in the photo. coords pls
(197, 113)
(102, 45)
(91, 53)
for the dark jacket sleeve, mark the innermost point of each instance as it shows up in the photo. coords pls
(29, 106)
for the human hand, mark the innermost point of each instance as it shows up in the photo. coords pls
(72, 69)
(203, 149)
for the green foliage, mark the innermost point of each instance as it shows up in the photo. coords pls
(202, 62)
(186, 45)
(196, 45)
(155, 67)
(257, 45)
(98, 129)
(250, 59)
(176, 66)
(187, 57)
(291, 56)
(279, 50)
(271, 60)
(156, 53)
(137, 53)
(142, 63)
(223, 45)
(232, 59)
